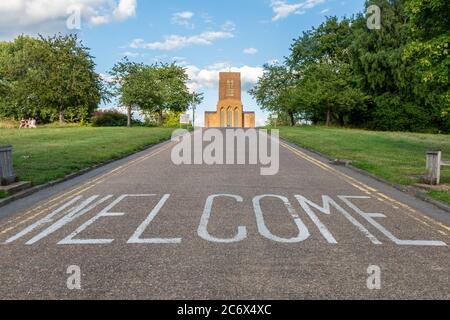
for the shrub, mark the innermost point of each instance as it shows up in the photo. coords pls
(109, 118)
(9, 124)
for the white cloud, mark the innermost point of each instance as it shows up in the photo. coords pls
(184, 15)
(208, 77)
(126, 9)
(183, 19)
(131, 54)
(282, 9)
(229, 26)
(47, 16)
(179, 59)
(173, 42)
(251, 51)
(98, 20)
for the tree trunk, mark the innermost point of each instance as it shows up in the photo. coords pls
(129, 116)
(161, 117)
(62, 119)
(328, 117)
(341, 120)
(292, 118)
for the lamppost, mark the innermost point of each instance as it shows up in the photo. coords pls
(193, 109)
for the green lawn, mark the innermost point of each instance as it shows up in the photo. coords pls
(46, 154)
(394, 156)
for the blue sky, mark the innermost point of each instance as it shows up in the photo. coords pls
(205, 36)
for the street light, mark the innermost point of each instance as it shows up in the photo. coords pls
(193, 109)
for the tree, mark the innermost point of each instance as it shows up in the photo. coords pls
(272, 92)
(154, 88)
(329, 93)
(20, 63)
(172, 91)
(428, 51)
(49, 76)
(394, 78)
(319, 61)
(398, 98)
(69, 78)
(127, 84)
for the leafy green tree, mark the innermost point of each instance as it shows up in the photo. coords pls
(272, 92)
(172, 91)
(428, 51)
(128, 82)
(69, 79)
(20, 62)
(397, 96)
(319, 60)
(394, 78)
(49, 76)
(329, 92)
(328, 42)
(154, 88)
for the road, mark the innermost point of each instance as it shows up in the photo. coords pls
(141, 228)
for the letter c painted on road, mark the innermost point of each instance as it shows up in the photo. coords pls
(203, 227)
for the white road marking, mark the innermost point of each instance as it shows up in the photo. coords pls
(303, 232)
(135, 239)
(305, 204)
(73, 210)
(203, 227)
(327, 201)
(74, 214)
(45, 220)
(369, 217)
(69, 240)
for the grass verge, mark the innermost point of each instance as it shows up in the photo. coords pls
(47, 154)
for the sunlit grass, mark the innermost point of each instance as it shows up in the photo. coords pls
(395, 156)
(46, 154)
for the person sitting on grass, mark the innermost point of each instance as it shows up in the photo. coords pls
(32, 124)
(28, 124)
(23, 124)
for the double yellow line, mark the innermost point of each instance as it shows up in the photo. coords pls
(419, 217)
(64, 197)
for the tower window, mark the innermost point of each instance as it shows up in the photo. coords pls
(230, 88)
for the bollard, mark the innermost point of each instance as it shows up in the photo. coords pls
(433, 175)
(6, 166)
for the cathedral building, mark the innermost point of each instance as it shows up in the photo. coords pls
(230, 111)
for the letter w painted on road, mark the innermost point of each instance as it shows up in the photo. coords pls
(73, 214)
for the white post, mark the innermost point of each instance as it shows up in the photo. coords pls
(433, 175)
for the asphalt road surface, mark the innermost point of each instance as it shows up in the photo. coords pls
(145, 228)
